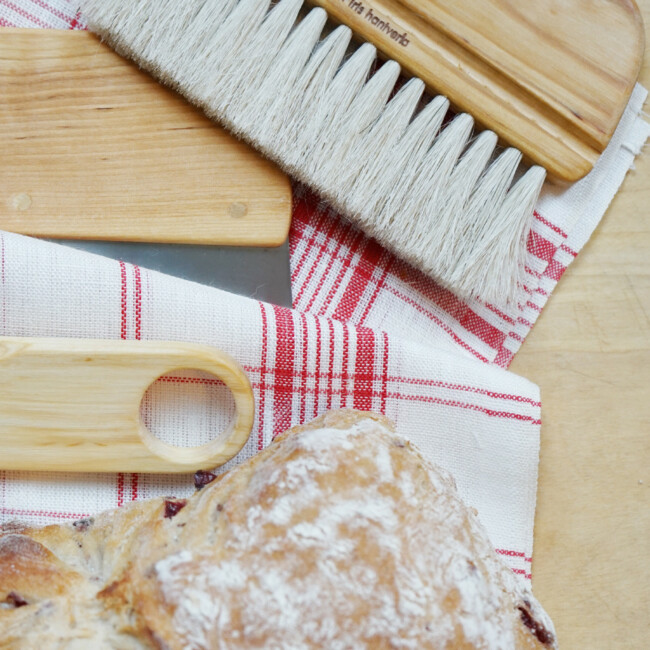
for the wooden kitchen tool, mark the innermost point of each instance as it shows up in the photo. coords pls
(93, 148)
(552, 81)
(550, 77)
(74, 405)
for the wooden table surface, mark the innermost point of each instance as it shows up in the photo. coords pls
(590, 354)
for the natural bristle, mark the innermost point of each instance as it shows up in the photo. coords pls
(269, 75)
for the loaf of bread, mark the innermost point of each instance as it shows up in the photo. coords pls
(338, 536)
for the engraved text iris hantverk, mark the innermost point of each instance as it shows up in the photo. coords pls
(377, 21)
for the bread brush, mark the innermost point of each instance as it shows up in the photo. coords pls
(451, 202)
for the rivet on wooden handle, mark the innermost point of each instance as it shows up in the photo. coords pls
(74, 405)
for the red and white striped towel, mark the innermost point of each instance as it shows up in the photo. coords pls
(339, 273)
(477, 420)
(367, 332)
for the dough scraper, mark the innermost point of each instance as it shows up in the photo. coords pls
(98, 156)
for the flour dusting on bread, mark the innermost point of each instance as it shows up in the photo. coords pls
(339, 535)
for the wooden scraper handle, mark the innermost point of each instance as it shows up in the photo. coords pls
(74, 405)
(91, 147)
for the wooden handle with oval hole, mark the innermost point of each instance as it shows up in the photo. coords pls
(550, 77)
(74, 405)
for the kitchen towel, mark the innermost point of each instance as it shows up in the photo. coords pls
(367, 332)
(478, 421)
(339, 273)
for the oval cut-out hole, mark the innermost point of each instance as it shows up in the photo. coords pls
(187, 408)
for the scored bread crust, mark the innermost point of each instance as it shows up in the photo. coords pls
(339, 535)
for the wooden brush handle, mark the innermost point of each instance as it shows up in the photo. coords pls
(550, 77)
(74, 405)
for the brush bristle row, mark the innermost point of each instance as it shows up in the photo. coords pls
(444, 203)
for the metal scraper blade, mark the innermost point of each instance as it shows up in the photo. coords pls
(260, 273)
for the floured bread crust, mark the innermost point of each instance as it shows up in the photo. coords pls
(339, 535)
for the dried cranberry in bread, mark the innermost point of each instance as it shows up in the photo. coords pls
(339, 536)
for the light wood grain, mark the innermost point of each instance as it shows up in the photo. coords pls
(551, 77)
(590, 354)
(74, 405)
(93, 148)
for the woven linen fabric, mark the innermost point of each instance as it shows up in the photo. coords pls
(367, 332)
(339, 273)
(478, 421)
